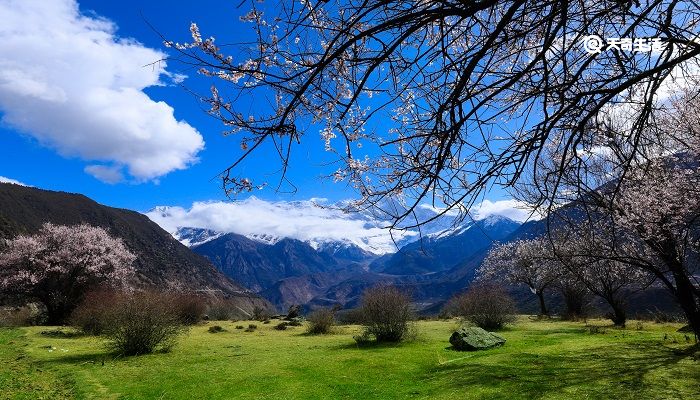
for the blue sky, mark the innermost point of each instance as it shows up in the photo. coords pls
(83, 112)
(38, 163)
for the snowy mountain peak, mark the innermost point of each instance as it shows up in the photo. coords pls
(191, 237)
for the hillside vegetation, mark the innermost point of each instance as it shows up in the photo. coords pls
(541, 359)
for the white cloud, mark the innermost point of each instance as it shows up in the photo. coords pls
(69, 81)
(108, 174)
(307, 221)
(513, 209)
(10, 180)
(510, 208)
(303, 220)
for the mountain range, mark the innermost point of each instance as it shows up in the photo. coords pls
(289, 271)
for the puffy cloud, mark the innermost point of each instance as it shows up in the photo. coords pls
(107, 174)
(303, 220)
(10, 180)
(513, 209)
(516, 210)
(69, 81)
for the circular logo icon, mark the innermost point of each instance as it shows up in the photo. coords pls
(593, 44)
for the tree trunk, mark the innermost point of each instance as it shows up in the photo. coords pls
(575, 301)
(619, 315)
(685, 292)
(543, 306)
(688, 301)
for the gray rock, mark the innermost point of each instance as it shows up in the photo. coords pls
(474, 338)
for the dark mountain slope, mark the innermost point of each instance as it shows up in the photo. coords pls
(259, 265)
(162, 262)
(439, 253)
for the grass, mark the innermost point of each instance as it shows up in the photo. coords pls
(541, 359)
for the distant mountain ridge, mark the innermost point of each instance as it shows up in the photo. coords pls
(162, 261)
(443, 250)
(289, 271)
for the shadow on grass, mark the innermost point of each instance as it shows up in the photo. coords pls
(605, 372)
(62, 333)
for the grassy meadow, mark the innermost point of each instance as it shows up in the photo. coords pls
(541, 359)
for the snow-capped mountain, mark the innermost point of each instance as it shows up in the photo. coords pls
(191, 237)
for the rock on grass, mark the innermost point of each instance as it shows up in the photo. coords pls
(474, 338)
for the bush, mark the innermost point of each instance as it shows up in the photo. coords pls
(216, 329)
(321, 321)
(386, 313)
(486, 306)
(352, 316)
(90, 315)
(141, 323)
(293, 311)
(281, 326)
(260, 314)
(26, 315)
(221, 310)
(189, 308)
(239, 327)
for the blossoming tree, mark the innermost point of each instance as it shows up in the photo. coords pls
(59, 264)
(436, 100)
(522, 262)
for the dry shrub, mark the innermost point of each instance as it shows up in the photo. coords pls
(281, 326)
(260, 313)
(141, 323)
(351, 316)
(294, 311)
(190, 308)
(486, 306)
(386, 313)
(26, 315)
(321, 321)
(221, 309)
(90, 314)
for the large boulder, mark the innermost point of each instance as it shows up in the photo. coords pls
(474, 338)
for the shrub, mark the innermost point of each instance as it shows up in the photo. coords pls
(321, 321)
(141, 323)
(281, 326)
(221, 310)
(26, 315)
(189, 308)
(293, 311)
(90, 315)
(363, 339)
(486, 306)
(260, 314)
(662, 317)
(596, 330)
(239, 326)
(216, 329)
(386, 313)
(349, 317)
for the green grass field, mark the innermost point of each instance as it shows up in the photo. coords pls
(547, 360)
